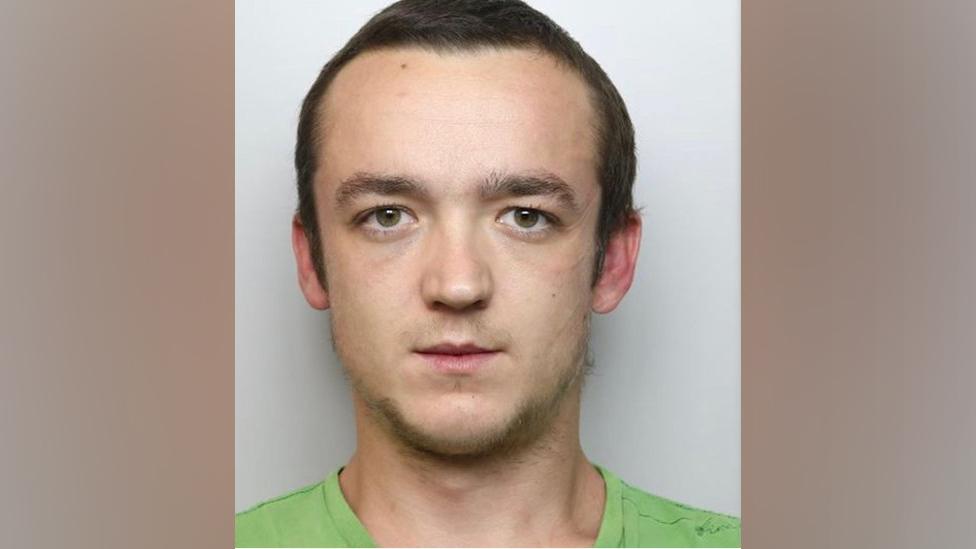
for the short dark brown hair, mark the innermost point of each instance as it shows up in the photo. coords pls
(465, 25)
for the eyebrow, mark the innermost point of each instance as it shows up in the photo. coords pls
(495, 186)
(533, 184)
(363, 183)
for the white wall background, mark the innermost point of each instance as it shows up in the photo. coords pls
(662, 406)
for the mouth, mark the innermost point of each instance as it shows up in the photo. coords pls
(451, 358)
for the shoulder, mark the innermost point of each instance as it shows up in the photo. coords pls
(283, 520)
(659, 519)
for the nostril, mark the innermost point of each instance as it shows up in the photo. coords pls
(460, 305)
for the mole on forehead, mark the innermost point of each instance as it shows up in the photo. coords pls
(511, 80)
(517, 66)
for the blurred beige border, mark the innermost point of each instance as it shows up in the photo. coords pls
(859, 260)
(116, 274)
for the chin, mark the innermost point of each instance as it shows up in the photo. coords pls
(457, 430)
(459, 427)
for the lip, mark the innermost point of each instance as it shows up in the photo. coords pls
(451, 358)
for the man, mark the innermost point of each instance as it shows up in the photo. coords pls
(464, 176)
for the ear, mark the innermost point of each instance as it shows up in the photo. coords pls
(619, 262)
(308, 280)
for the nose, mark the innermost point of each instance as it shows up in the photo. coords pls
(457, 274)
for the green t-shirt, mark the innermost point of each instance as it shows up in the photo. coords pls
(318, 516)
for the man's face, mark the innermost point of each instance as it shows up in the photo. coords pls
(474, 241)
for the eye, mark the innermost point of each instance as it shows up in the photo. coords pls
(388, 217)
(526, 219)
(385, 218)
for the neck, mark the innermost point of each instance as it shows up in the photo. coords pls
(547, 494)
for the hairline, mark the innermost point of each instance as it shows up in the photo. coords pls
(597, 117)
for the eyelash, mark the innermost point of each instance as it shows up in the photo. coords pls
(361, 218)
(552, 221)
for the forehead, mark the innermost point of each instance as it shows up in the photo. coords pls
(453, 117)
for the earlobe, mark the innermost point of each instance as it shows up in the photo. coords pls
(620, 261)
(308, 279)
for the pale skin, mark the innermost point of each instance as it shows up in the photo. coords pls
(446, 261)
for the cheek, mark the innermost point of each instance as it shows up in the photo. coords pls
(371, 300)
(547, 299)
(369, 278)
(549, 275)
